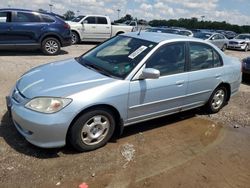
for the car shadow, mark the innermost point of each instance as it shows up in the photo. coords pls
(246, 80)
(27, 53)
(16, 141)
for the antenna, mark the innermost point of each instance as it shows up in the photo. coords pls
(139, 31)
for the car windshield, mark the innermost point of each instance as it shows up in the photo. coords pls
(244, 37)
(77, 19)
(117, 57)
(201, 35)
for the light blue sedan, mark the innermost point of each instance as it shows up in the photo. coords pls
(128, 79)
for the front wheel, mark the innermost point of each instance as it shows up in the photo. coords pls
(246, 48)
(217, 100)
(92, 130)
(224, 47)
(51, 46)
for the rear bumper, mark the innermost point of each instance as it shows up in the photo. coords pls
(246, 71)
(66, 41)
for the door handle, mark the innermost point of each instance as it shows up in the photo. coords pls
(93, 27)
(107, 27)
(180, 82)
(10, 28)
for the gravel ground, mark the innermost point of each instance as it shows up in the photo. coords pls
(189, 149)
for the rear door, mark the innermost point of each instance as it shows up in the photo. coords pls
(205, 73)
(103, 28)
(6, 36)
(27, 28)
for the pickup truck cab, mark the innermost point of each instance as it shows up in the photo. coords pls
(96, 28)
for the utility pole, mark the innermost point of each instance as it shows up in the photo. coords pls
(202, 18)
(118, 11)
(50, 7)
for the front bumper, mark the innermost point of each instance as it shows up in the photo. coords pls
(42, 130)
(236, 46)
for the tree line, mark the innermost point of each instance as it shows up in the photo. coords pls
(188, 23)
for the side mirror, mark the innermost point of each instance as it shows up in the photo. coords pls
(150, 73)
(84, 22)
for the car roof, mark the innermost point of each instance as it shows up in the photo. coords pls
(27, 10)
(16, 9)
(157, 37)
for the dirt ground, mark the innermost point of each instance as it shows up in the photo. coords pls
(190, 149)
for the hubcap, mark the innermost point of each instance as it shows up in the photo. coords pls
(95, 130)
(73, 38)
(218, 99)
(51, 46)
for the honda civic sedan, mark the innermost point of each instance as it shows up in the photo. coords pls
(128, 79)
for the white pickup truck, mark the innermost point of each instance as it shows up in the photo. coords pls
(95, 28)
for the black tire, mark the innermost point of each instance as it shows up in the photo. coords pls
(246, 48)
(75, 38)
(224, 47)
(86, 127)
(217, 100)
(51, 46)
(119, 33)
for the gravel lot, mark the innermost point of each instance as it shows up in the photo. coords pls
(190, 149)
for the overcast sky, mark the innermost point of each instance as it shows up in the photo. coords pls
(232, 11)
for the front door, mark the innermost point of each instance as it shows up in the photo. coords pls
(89, 28)
(151, 98)
(6, 37)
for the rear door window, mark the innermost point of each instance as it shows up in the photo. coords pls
(47, 18)
(27, 17)
(101, 20)
(203, 56)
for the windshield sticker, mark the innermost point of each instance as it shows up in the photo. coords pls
(137, 52)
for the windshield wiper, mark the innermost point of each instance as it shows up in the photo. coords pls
(97, 68)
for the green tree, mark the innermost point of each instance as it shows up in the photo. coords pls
(125, 18)
(69, 15)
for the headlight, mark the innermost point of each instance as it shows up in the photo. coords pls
(47, 104)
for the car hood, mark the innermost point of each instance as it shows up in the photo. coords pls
(73, 24)
(59, 79)
(237, 40)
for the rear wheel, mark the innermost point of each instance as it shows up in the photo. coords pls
(51, 46)
(92, 130)
(217, 99)
(75, 38)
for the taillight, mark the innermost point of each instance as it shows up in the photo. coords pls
(242, 65)
(66, 26)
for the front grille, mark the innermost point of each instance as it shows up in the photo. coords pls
(17, 96)
(233, 42)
